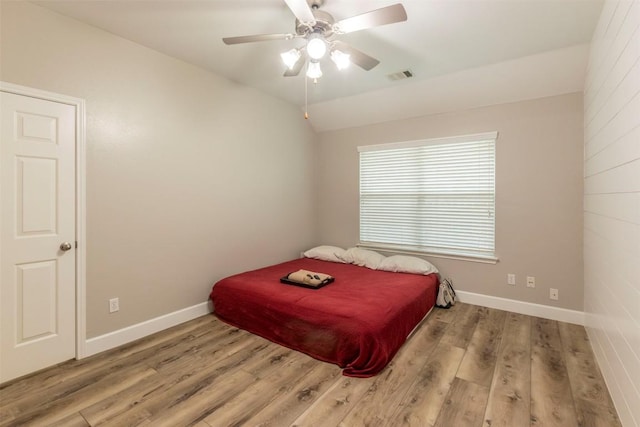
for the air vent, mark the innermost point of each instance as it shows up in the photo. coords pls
(400, 75)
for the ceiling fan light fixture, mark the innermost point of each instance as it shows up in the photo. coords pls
(290, 57)
(316, 46)
(341, 59)
(313, 70)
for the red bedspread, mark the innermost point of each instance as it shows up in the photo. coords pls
(358, 322)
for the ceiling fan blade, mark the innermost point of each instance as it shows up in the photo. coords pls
(357, 57)
(257, 38)
(296, 67)
(301, 10)
(382, 16)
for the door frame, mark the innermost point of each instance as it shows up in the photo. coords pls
(80, 202)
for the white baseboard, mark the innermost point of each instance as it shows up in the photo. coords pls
(528, 308)
(131, 333)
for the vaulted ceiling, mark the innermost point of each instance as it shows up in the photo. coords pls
(439, 38)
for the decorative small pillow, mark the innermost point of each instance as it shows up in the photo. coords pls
(407, 264)
(327, 253)
(364, 257)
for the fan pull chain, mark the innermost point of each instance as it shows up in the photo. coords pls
(306, 113)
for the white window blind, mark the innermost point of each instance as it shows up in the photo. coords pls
(435, 196)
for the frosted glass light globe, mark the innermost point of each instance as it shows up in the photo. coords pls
(341, 59)
(316, 48)
(314, 71)
(290, 57)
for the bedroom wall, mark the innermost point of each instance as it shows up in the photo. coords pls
(190, 177)
(612, 203)
(538, 193)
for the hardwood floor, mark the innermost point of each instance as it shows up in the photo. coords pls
(467, 366)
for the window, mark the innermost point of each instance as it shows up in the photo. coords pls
(433, 196)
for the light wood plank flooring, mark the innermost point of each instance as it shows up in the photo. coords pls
(467, 366)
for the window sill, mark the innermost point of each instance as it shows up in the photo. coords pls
(458, 257)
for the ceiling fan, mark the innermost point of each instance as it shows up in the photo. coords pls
(319, 29)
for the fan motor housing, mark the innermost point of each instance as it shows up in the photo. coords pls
(324, 24)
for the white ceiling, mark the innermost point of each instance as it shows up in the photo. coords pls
(440, 37)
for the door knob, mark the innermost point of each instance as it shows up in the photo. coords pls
(65, 246)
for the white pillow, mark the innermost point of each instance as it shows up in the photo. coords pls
(407, 264)
(364, 258)
(327, 253)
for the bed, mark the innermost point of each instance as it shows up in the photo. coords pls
(358, 322)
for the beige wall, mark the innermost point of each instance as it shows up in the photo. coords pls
(612, 203)
(190, 177)
(538, 193)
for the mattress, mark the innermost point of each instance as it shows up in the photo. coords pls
(358, 322)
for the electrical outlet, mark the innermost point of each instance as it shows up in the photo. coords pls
(553, 294)
(511, 279)
(531, 282)
(114, 305)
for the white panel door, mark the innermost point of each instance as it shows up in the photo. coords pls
(37, 218)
